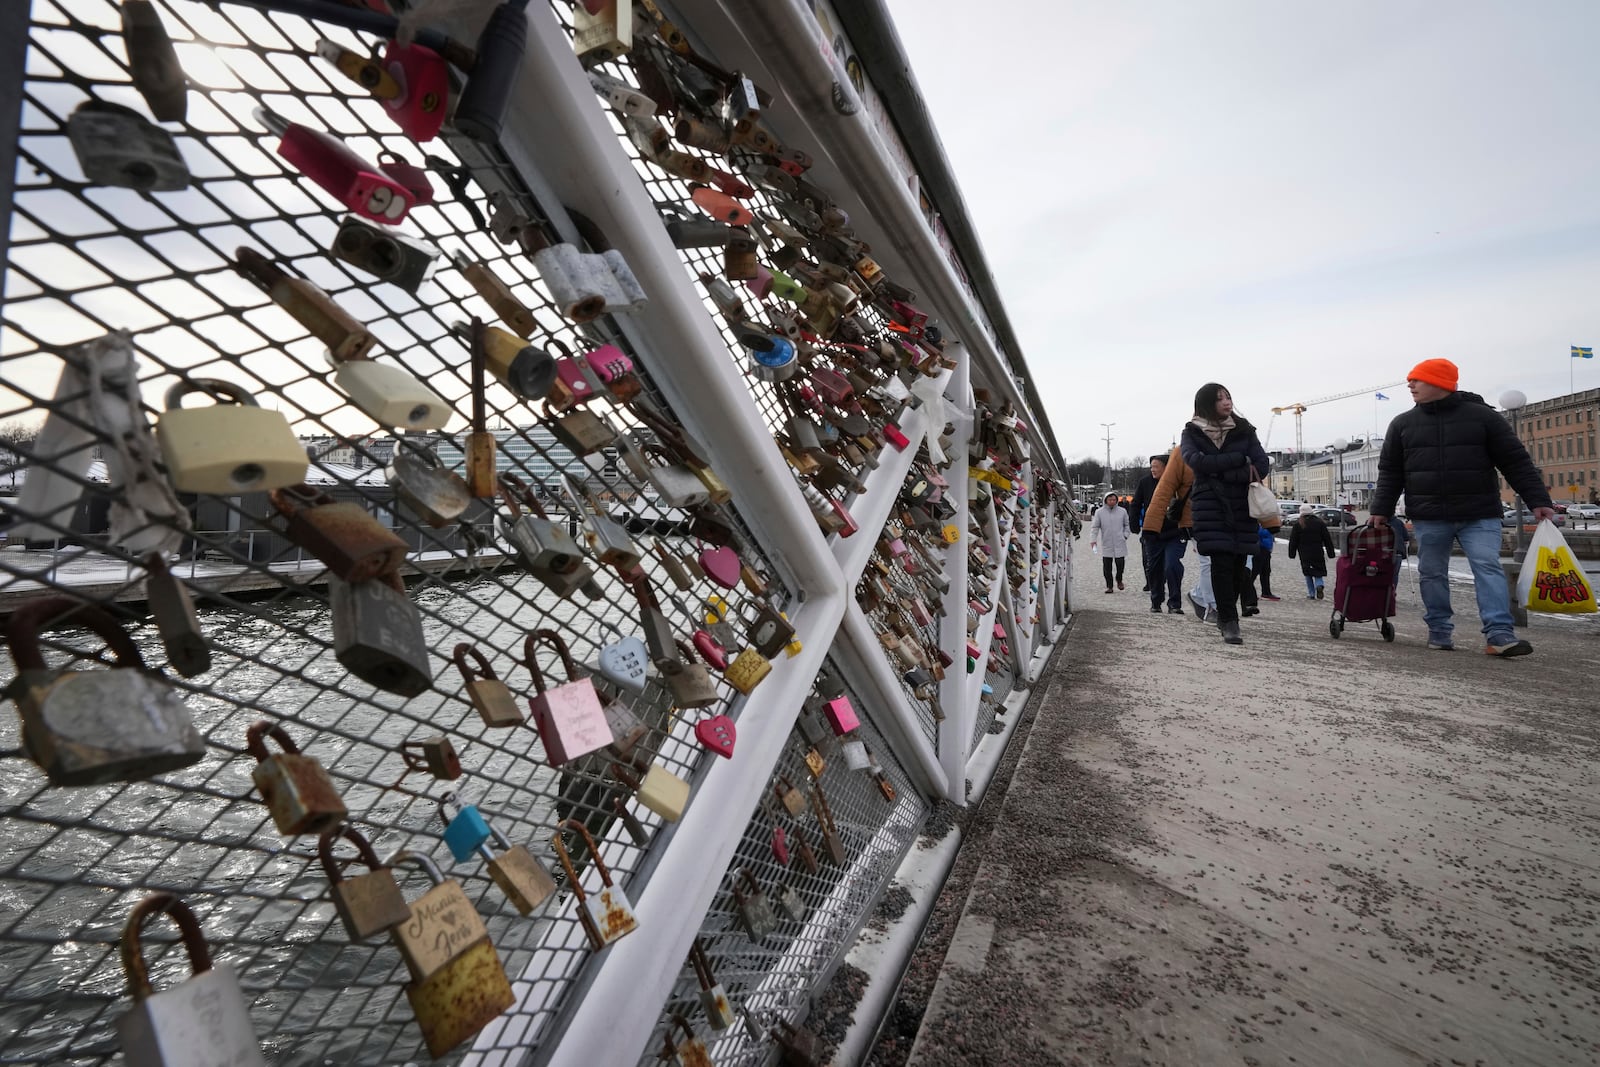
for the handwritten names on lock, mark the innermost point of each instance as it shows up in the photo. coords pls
(443, 925)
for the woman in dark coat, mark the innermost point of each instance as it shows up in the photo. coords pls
(1221, 447)
(1311, 541)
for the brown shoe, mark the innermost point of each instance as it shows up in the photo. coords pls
(1515, 648)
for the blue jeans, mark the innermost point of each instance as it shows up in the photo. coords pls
(1202, 589)
(1163, 563)
(1480, 540)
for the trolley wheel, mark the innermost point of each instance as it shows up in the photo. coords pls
(1336, 626)
(1387, 629)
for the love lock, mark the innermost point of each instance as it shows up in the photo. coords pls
(625, 664)
(717, 734)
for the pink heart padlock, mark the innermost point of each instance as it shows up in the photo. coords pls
(710, 650)
(717, 734)
(721, 566)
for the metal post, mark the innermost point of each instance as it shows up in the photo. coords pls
(1513, 401)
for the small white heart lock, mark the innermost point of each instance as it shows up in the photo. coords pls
(625, 663)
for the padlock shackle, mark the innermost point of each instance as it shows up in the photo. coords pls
(217, 388)
(555, 641)
(65, 612)
(480, 360)
(255, 739)
(566, 861)
(702, 965)
(194, 941)
(626, 776)
(407, 858)
(356, 837)
(485, 668)
(291, 499)
(746, 877)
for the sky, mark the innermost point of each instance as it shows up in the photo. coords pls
(1296, 200)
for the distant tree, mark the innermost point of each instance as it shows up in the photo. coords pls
(1087, 471)
(18, 433)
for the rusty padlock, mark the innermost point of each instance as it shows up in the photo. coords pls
(435, 754)
(494, 700)
(354, 545)
(369, 903)
(690, 1051)
(713, 998)
(607, 915)
(295, 787)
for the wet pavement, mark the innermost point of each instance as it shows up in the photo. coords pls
(1297, 851)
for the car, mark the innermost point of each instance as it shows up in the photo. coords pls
(1290, 509)
(1508, 518)
(1586, 512)
(1335, 517)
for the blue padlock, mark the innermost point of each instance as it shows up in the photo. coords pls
(988, 690)
(465, 832)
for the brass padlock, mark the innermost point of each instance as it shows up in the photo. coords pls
(436, 755)
(739, 258)
(442, 925)
(92, 727)
(369, 903)
(520, 877)
(377, 634)
(226, 449)
(527, 370)
(747, 670)
(199, 1022)
(713, 998)
(792, 798)
(498, 295)
(295, 787)
(660, 790)
(752, 907)
(580, 430)
(354, 545)
(437, 494)
(485, 691)
(480, 445)
(308, 305)
(606, 916)
(175, 619)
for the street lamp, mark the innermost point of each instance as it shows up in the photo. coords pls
(1339, 445)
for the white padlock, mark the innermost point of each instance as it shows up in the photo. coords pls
(391, 396)
(227, 448)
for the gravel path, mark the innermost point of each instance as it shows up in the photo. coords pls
(1300, 851)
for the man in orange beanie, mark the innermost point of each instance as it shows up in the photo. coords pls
(1444, 454)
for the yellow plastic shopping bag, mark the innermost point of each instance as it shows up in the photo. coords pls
(1551, 579)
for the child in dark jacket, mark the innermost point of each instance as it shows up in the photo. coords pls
(1304, 541)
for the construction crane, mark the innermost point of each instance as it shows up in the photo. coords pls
(1299, 409)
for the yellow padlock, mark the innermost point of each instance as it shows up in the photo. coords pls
(747, 670)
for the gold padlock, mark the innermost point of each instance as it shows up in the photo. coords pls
(493, 698)
(747, 670)
(368, 903)
(296, 788)
(469, 993)
(520, 877)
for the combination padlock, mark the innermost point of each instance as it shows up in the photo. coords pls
(607, 915)
(752, 906)
(520, 877)
(491, 697)
(200, 1022)
(172, 608)
(119, 147)
(295, 787)
(579, 379)
(370, 903)
(437, 494)
(713, 998)
(343, 535)
(227, 449)
(569, 717)
(377, 634)
(92, 727)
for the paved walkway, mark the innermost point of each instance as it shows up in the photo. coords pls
(1300, 851)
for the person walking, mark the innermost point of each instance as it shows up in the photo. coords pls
(1263, 561)
(1311, 541)
(1141, 504)
(1110, 531)
(1164, 533)
(1221, 448)
(1443, 455)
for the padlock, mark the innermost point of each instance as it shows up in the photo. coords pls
(808, 859)
(769, 632)
(437, 494)
(675, 484)
(390, 256)
(790, 902)
(480, 444)
(117, 146)
(391, 396)
(627, 729)
(364, 70)
(295, 787)
(690, 684)
(690, 1051)
(498, 295)
(436, 755)
(625, 664)
(717, 734)
(456, 1002)
(710, 649)
(545, 547)
(580, 430)
(841, 715)
(722, 295)
(630, 822)
(713, 998)
(885, 787)
(606, 916)
(201, 1022)
(173, 611)
(308, 305)
(621, 95)
(753, 908)
(797, 1047)
(92, 727)
(424, 79)
(343, 535)
(520, 877)
(442, 925)
(465, 828)
(830, 832)
(720, 205)
(527, 370)
(485, 691)
(584, 285)
(602, 32)
(369, 903)
(792, 798)
(660, 790)
(226, 449)
(377, 634)
(153, 62)
(360, 186)
(739, 258)
(747, 670)
(569, 717)
(815, 763)
(854, 751)
(775, 361)
(582, 378)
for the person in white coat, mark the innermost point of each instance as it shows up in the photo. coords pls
(1109, 531)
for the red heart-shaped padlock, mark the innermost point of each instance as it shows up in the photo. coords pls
(710, 650)
(717, 734)
(721, 566)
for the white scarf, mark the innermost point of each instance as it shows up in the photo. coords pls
(1217, 431)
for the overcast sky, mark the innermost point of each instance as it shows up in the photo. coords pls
(1293, 199)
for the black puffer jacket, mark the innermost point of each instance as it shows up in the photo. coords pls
(1309, 539)
(1444, 454)
(1221, 510)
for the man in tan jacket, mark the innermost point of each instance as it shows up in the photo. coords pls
(1165, 538)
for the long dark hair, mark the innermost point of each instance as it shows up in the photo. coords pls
(1205, 404)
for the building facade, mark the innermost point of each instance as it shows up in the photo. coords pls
(1560, 434)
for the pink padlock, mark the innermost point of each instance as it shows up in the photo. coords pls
(424, 76)
(841, 715)
(1000, 631)
(570, 718)
(710, 650)
(895, 436)
(608, 362)
(761, 284)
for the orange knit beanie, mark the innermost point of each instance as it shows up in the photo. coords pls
(1440, 372)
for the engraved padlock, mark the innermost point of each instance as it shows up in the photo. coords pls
(172, 608)
(369, 903)
(747, 670)
(690, 684)
(388, 255)
(295, 787)
(491, 697)
(569, 717)
(752, 906)
(435, 755)
(627, 729)
(377, 634)
(442, 925)
(226, 449)
(437, 494)
(117, 146)
(343, 535)
(200, 1022)
(713, 998)
(91, 727)
(841, 715)
(607, 915)
(520, 877)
